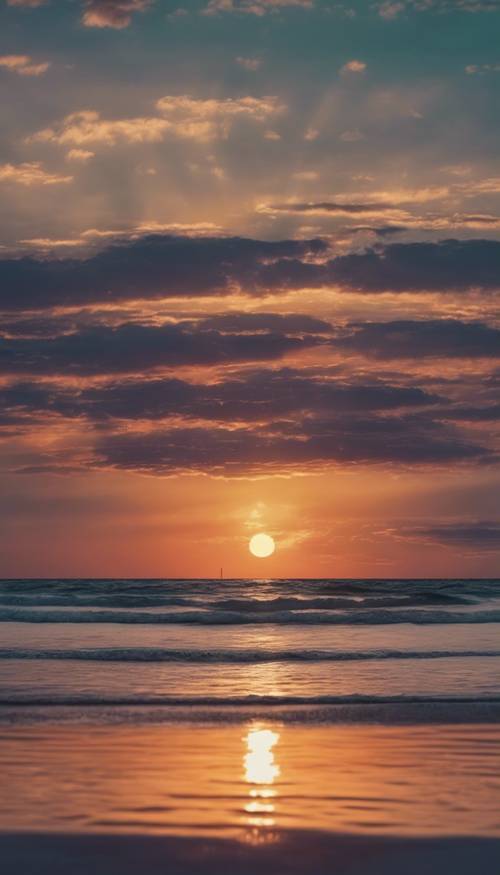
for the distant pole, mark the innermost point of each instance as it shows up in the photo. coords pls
(221, 574)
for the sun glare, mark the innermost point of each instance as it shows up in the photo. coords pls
(262, 546)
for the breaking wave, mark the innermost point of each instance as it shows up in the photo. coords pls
(216, 617)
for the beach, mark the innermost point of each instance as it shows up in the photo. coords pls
(298, 852)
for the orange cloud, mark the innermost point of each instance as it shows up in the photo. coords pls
(23, 65)
(353, 67)
(112, 13)
(30, 173)
(87, 126)
(254, 7)
(81, 155)
(29, 4)
(180, 116)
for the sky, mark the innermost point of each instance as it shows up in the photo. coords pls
(249, 274)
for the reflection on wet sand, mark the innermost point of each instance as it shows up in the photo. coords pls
(261, 770)
(251, 781)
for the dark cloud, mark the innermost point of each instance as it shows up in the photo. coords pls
(380, 231)
(343, 440)
(333, 207)
(133, 348)
(490, 413)
(257, 422)
(153, 267)
(450, 265)
(256, 396)
(164, 266)
(293, 323)
(261, 395)
(434, 338)
(482, 534)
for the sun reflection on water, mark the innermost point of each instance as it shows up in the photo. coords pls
(261, 770)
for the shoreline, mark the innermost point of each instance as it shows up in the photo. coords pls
(390, 713)
(293, 852)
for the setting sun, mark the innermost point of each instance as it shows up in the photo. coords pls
(262, 546)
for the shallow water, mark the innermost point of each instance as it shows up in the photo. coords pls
(242, 708)
(251, 779)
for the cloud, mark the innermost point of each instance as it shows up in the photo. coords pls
(23, 65)
(29, 4)
(133, 348)
(244, 423)
(29, 174)
(382, 207)
(435, 338)
(352, 136)
(319, 208)
(250, 397)
(484, 535)
(250, 64)
(211, 118)
(181, 116)
(390, 9)
(292, 323)
(49, 243)
(473, 69)
(87, 126)
(340, 440)
(112, 13)
(353, 67)
(446, 266)
(380, 230)
(160, 266)
(151, 267)
(462, 413)
(81, 155)
(116, 14)
(254, 7)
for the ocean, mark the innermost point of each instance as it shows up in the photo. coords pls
(250, 710)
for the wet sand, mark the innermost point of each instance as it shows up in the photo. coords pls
(292, 853)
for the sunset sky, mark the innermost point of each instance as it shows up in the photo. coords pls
(249, 273)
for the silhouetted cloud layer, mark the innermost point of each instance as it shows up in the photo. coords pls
(435, 338)
(150, 268)
(348, 440)
(161, 266)
(258, 421)
(132, 348)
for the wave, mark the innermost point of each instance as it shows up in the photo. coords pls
(391, 713)
(384, 713)
(239, 701)
(151, 654)
(376, 617)
(253, 605)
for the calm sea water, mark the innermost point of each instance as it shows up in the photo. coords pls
(246, 707)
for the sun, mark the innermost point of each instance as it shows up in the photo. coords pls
(262, 546)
